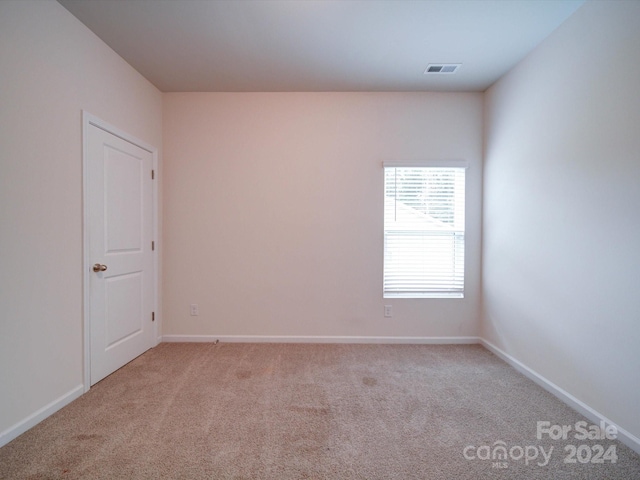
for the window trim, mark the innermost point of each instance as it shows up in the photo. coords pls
(428, 164)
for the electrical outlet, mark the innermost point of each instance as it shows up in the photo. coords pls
(388, 311)
(195, 310)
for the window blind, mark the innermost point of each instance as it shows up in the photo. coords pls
(424, 231)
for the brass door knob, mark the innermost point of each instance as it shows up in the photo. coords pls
(98, 267)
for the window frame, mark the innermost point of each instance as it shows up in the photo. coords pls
(443, 294)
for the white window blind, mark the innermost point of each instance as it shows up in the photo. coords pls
(424, 231)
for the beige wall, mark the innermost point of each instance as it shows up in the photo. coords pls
(51, 67)
(273, 219)
(561, 231)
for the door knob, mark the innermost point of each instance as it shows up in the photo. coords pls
(99, 267)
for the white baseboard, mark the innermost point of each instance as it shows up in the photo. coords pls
(317, 339)
(36, 417)
(625, 437)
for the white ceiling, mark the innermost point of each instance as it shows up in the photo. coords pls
(321, 45)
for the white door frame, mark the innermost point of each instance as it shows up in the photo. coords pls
(88, 120)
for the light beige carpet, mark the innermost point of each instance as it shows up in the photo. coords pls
(286, 411)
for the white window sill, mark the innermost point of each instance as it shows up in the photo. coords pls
(424, 295)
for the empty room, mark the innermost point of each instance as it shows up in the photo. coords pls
(330, 239)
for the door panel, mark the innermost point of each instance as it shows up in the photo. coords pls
(124, 306)
(120, 229)
(123, 201)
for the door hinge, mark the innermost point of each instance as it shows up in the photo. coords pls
(153, 316)
(153, 245)
(153, 174)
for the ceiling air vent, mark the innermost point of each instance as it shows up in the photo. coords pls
(442, 68)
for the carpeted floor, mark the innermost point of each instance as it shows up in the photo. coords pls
(293, 411)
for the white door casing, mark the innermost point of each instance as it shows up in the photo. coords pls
(119, 230)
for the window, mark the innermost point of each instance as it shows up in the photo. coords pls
(424, 230)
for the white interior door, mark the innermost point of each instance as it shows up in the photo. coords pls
(119, 227)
